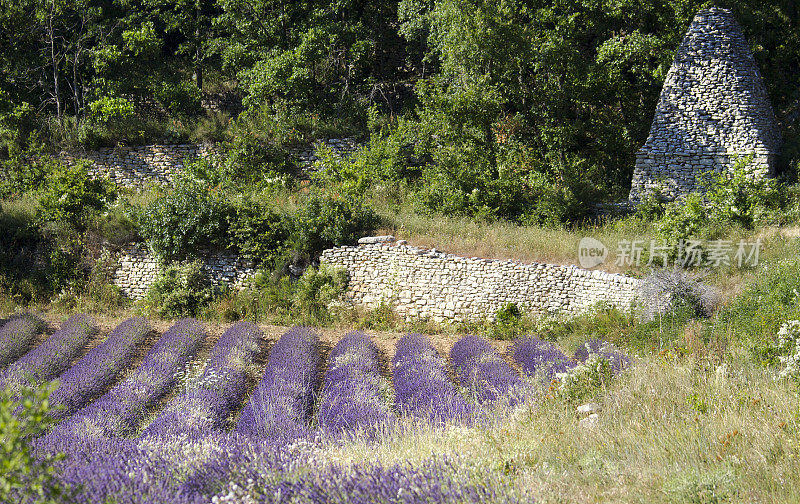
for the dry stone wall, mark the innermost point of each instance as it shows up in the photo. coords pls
(142, 166)
(138, 269)
(341, 147)
(426, 284)
(713, 110)
(138, 167)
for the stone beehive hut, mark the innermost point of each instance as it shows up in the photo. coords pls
(713, 110)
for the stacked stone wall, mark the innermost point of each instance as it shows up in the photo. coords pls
(142, 166)
(713, 110)
(138, 269)
(426, 284)
(139, 167)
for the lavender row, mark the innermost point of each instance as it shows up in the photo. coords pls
(539, 358)
(280, 406)
(353, 392)
(480, 369)
(120, 410)
(17, 335)
(99, 368)
(234, 469)
(207, 407)
(606, 350)
(54, 355)
(422, 386)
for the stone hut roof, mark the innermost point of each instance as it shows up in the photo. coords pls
(713, 100)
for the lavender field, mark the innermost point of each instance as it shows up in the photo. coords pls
(190, 414)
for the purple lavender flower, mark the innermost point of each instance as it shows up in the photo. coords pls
(540, 358)
(99, 368)
(54, 355)
(281, 405)
(422, 385)
(481, 370)
(120, 410)
(17, 335)
(222, 386)
(436, 481)
(353, 390)
(616, 357)
(116, 470)
(129, 472)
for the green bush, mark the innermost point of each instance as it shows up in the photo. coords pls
(179, 291)
(772, 298)
(738, 197)
(731, 199)
(259, 232)
(25, 169)
(26, 476)
(684, 219)
(257, 152)
(586, 380)
(186, 220)
(181, 99)
(71, 197)
(329, 219)
(110, 109)
(315, 291)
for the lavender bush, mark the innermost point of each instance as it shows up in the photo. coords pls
(353, 392)
(434, 481)
(540, 358)
(483, 372)
(120, 411)
(603, 349)
(234, 469)
(281, 404)
(54, 355)
(17, 335)
(422, 386)
(104, 470)
(99, 368)
(207, 407)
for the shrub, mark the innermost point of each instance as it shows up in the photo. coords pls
(259, 232)
(179, 291)
(71, 197)
(180, 99)
(738, 197)
(586, 379)
(508, 324)
(316, 289)
(253, 160)
(187, 219)
(683, 219)
(732, 198)
(26, 169)
(330, 219)
(109, 109)
(773, 297)
(27, 476)
(676, 289)
(787, 347)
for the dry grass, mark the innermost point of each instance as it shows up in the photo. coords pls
(706, 428)
(501, 240)
(682, 432)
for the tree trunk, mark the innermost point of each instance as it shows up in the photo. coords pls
(54, 62)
